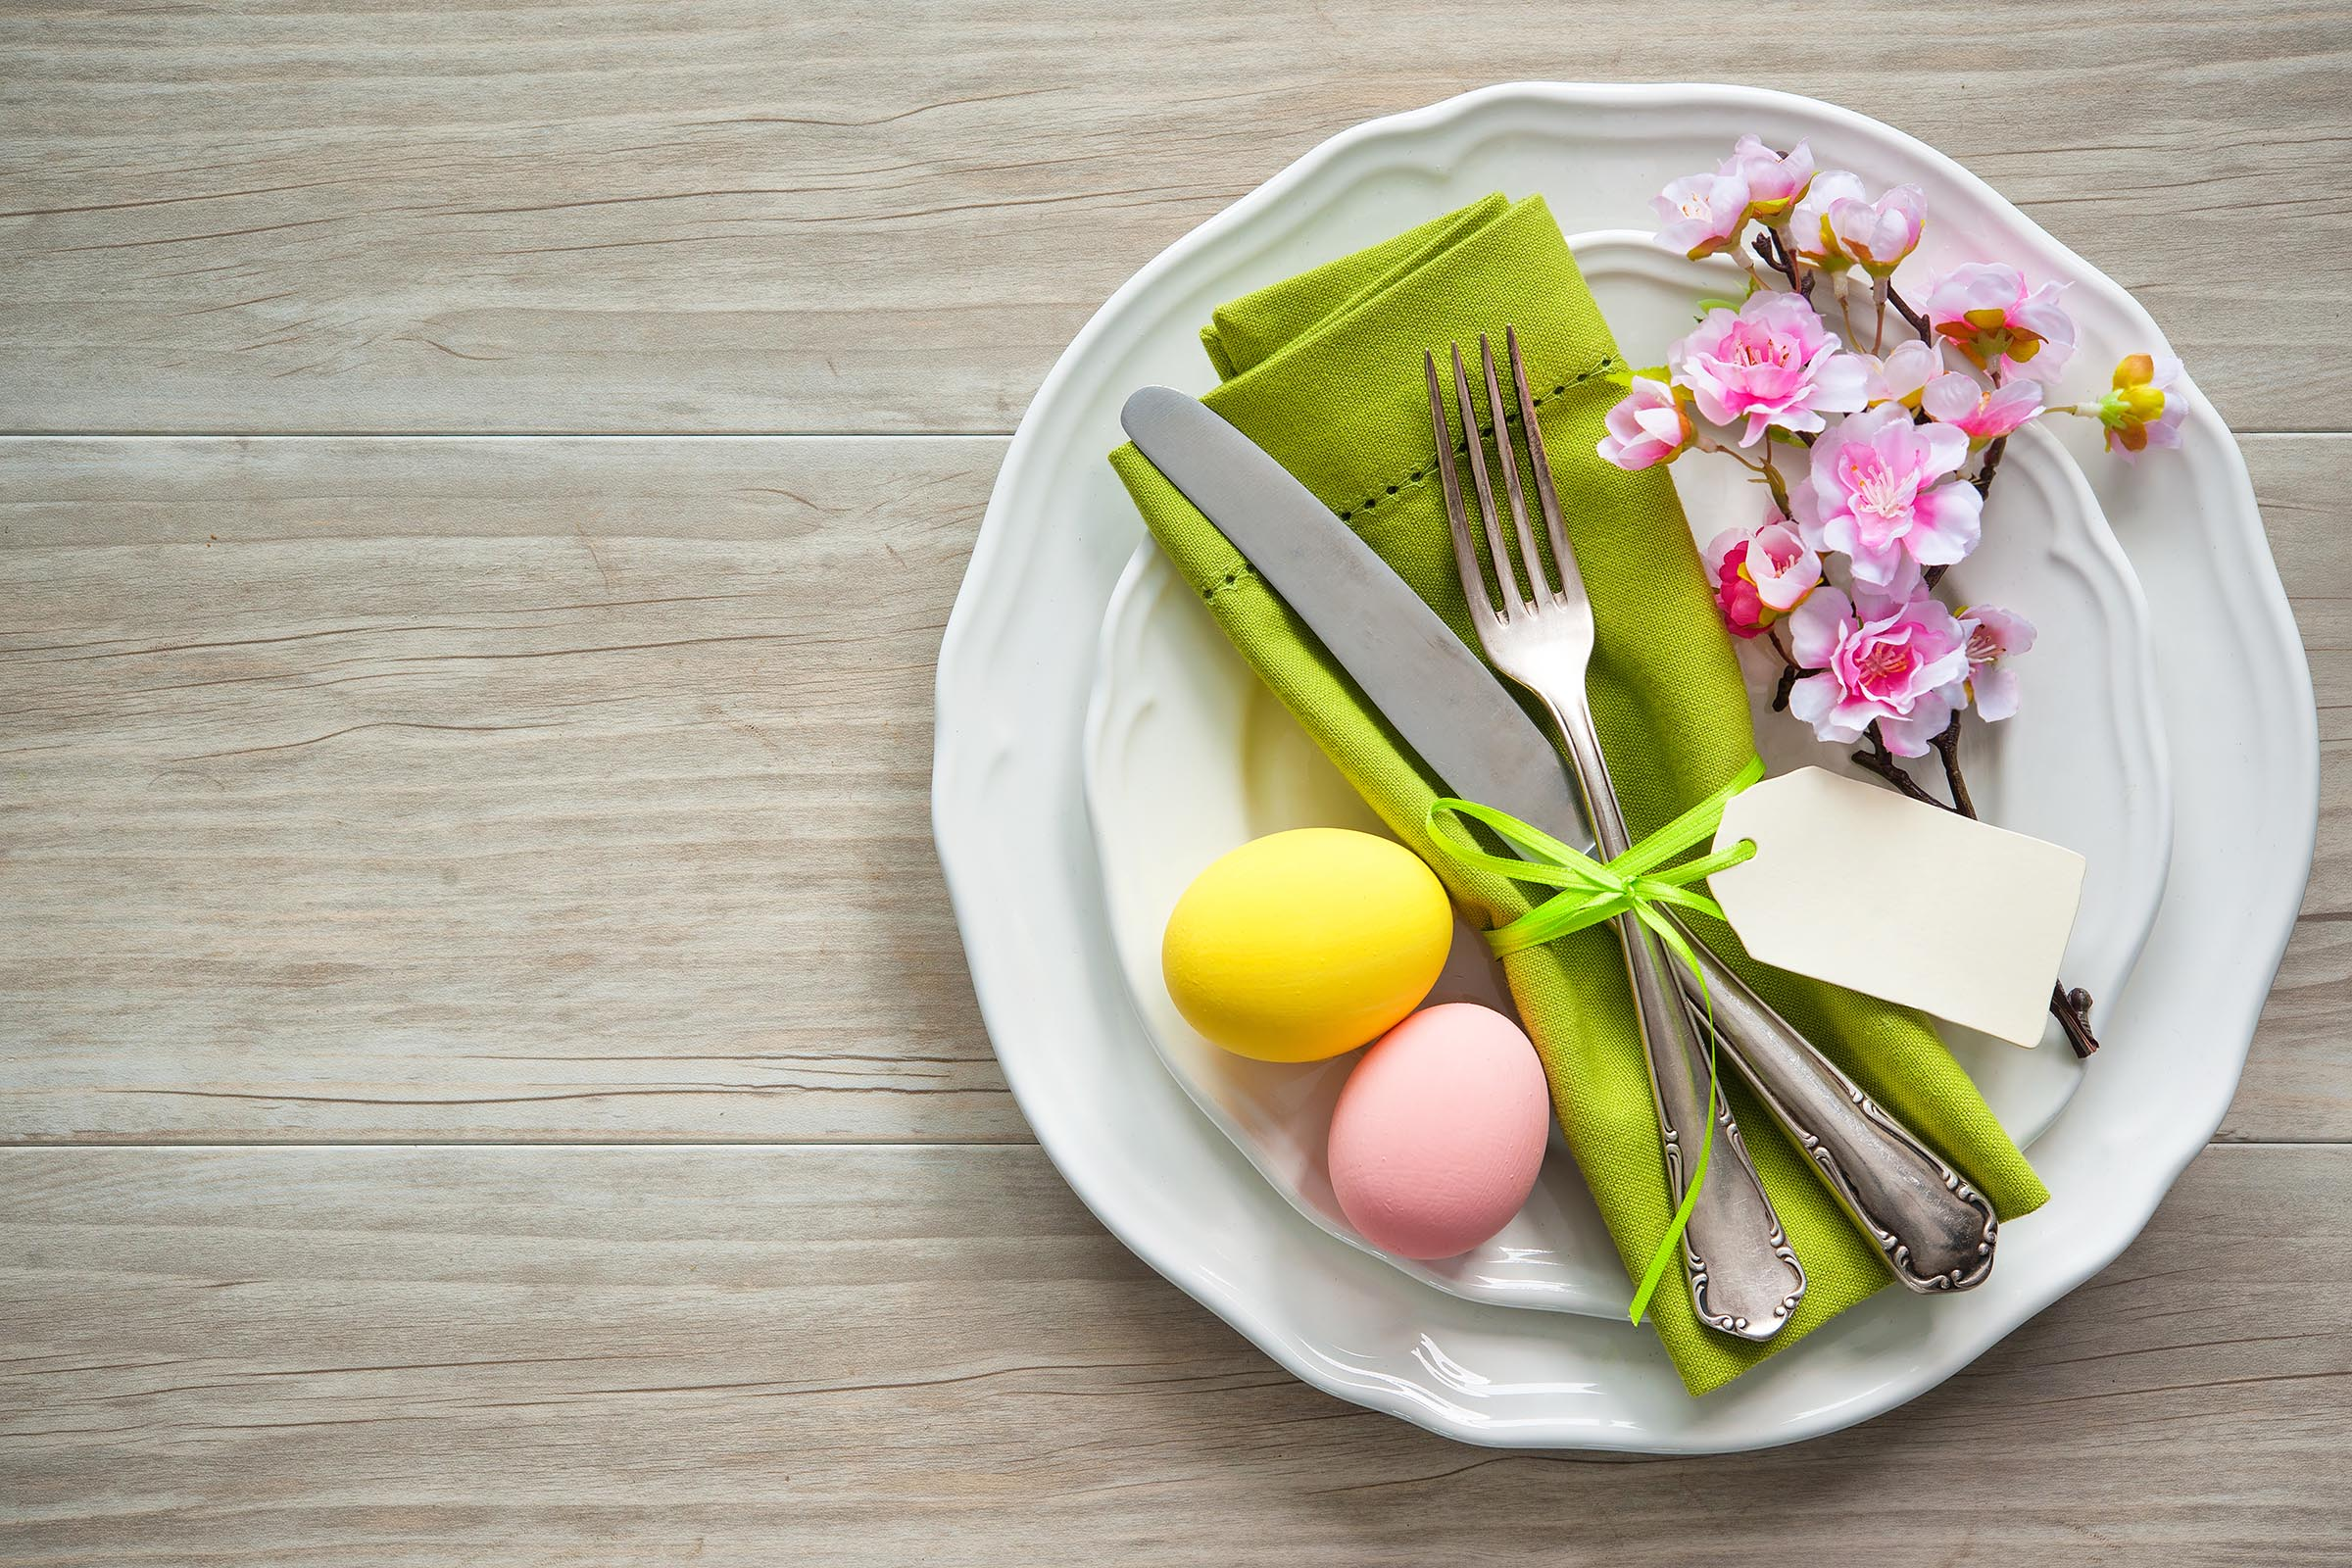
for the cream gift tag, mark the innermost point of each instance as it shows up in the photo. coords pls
(1856, 885)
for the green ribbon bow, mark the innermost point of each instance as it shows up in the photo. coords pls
(1592, 891)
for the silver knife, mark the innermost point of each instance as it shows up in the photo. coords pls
(1934, 1231)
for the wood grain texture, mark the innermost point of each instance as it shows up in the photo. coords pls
(2298, 1078)
(454, 789)
(749, 1356)
(741, 216)
(431, 789)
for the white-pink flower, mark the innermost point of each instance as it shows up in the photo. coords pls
(1901, 664)
(1878, 234)
(1772, 363)
(1983, 415)
(2140, 412)
(1984, 309)
(1704, 214)
(1809, 223)
(1903, 376)
(1647, 427)
(1761, 573)
(1876, 491)
(1775, 183)
(1992, 636)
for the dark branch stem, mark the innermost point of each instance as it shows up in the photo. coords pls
(1992, 465)
(1881, 761)
(1768, 246)
(2071, 1009)
(1919, 323)
(1948, 747)
(1791, 672)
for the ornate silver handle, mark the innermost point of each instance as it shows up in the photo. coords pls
(1743, 1277)
(1934, 1230)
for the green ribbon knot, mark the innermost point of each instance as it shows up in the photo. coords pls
(1588, 891)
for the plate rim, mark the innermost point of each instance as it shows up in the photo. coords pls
(995, 540)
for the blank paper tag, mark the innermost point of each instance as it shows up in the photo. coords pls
(1856, 885)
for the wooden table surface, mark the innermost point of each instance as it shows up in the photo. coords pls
(486, 1070)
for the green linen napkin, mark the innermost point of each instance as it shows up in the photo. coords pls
(1324, 371)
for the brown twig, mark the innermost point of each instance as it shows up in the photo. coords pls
(1767, 244)
(1881, 761)
(1992, 463)
(1791, 672)
(1919, 323)
(1948, 747)
(2071, 1009)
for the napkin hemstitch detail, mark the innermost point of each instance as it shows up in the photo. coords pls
(1240, 576)
(1461, 448)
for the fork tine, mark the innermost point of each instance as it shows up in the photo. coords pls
(1531, 560)
(1572, 581)
(1496, 550)
(1465, 553)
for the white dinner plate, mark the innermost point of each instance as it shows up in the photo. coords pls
(1188, 755)
(1017, 662)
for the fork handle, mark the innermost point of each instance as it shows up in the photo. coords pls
(1936, 1232)
(1742, 1276)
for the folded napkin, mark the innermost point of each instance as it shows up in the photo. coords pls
(1324, 371)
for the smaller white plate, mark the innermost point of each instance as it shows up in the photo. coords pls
(1187, 755)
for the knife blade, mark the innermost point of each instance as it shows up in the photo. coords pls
(1934, 1230)
(1426, 682)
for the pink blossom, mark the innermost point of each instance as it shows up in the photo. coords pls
(1876, 491)
(1704, 214)
(1992, 636)
(1774, 183)
(1984, 309)
(1878, 234)
(1761, 573)
(1983, 415)
(1901, 664)
(2139, 413)
(1809, 223)
(1647, 427)
(1903, 375)
(1772, 363)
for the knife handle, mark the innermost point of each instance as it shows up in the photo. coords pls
(1936, 1232)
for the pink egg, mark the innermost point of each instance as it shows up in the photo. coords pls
(1440, 1131)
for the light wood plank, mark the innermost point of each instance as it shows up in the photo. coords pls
(740, 216)
(428, 1356)
(578, 789)
(2298, 1078)
(457, 789)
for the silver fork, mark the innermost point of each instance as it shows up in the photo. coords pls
(1934, 1231)
(1743, 1278)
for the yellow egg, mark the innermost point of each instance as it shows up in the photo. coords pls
(1301, 945)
